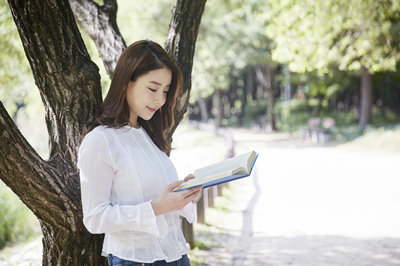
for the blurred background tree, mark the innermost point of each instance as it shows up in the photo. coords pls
(233, 68)
(269, 65)
(273, 65)
(360, 37)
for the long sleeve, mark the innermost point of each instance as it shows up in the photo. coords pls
(99, 214)
(189, 213)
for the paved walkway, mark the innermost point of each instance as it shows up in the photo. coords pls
(308, 205)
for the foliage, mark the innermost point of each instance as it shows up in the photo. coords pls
(230, 37)
(17, 222)
(310, 35)
(17, 86)
(14, 66)
(291, 115)
(201, 245)
(323, 86)
(254, 111)
(385, 137)
(139, 20)
(195, 259)
(294, 115)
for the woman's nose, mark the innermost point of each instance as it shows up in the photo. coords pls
(160, 97)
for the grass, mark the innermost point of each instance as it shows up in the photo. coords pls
(373, 138)
(17, 223)
(195, 259)
(383, 133)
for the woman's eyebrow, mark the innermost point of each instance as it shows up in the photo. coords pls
(159, 84)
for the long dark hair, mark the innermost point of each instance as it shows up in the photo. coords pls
(136, 60)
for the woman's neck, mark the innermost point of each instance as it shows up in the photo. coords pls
(135, 124)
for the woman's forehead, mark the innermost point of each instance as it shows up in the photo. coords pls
(158, 77)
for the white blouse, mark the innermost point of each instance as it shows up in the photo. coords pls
(121, 172)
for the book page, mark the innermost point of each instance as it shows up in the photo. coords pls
(238, 164)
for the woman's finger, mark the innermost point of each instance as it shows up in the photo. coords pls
(192, 196)
(171, 186)
(190, 191)
(188, 177)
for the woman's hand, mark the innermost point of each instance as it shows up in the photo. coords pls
(169, 201)
(188, 177)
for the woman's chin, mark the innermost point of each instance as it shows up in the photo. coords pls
(146, 118)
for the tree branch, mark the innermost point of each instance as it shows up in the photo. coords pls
(69, 83)
(31, 178)
(180, 44)
(100, 23)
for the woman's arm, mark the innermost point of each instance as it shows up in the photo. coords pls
(99, 215)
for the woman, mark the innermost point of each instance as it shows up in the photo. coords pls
(126, 176)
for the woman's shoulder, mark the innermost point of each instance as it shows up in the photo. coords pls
(99, 132)
(101, 129)
(97, 142)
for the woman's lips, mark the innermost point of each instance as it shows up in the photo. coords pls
(151, 109)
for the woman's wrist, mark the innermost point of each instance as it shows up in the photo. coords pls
(156, 208)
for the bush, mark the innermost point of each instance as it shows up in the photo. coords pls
(291, 116)
(254, 112)
(17, 223)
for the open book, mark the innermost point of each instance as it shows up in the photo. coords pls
(225, 171)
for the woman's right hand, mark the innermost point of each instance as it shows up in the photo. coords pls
(169, 201)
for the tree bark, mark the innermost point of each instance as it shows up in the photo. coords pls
(180, 44)
(100, 23)
(366, 98)
(69, 85)
(68, 81)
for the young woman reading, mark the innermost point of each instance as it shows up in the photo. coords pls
(126, 177)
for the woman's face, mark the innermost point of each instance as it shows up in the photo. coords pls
(147, 94)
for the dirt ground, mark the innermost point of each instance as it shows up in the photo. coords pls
(303, 205)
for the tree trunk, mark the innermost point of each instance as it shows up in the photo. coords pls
(100, 23)
(203, 109)
(71, 248)
(287, 84)
(366, 98)
(180, 44)
(271, 102)
(218, 107)
(69, 85)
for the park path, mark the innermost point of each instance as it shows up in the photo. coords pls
(304, 205)
(310, 205)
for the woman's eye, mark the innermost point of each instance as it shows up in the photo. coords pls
(165, 92)
(153, 90)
